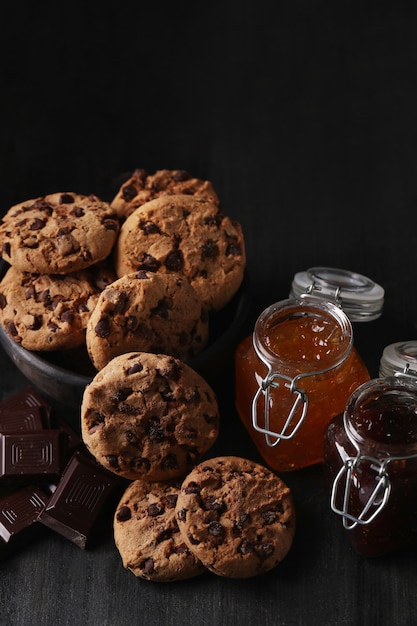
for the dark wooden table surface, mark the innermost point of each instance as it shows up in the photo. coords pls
(304, 118)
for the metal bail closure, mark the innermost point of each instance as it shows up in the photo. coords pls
(378, 498)
(360, 297)
(299, 406)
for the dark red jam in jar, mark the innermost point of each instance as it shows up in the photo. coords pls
(370, 459)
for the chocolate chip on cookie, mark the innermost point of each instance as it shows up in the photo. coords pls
(149, 416)
(142, 187)
(58, 233)
(147, 312)
(236, 516)
(147, 536)
(184, 234)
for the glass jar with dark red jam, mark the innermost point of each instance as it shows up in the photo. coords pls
(370, 461)
(293, 376)
(399, 358)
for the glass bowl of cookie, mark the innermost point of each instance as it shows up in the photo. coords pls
(83, 280)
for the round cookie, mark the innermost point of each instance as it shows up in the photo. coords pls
(148, 416)
(48, 311)
(142, 187)
(147, 312)
(58, 233)
(147, 535)
(236, 516)
(181, 233)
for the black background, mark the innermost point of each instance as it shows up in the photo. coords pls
(304, 117)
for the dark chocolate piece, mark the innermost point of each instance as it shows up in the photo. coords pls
(27, 398)
(79, 498)
(19, 511)
(21, 419)
(33, 453)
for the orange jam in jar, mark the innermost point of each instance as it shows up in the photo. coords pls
(293, 376)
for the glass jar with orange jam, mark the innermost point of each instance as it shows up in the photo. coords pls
(294, 375)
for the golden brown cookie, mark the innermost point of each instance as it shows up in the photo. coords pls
(148, 416)
(50, 311)
(58, 233)
(147, 312)
(184, 234)
(147, 535)
(236, 516)
(142, 187)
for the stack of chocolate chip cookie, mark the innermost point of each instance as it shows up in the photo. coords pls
(57, 247)
(229, 516)
(143, 272)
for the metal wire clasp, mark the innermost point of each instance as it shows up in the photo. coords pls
(378, 497)
(289, 429)
(315, 287)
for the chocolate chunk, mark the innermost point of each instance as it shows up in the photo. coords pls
(102, 328)
(150, 228)
(140, 464)
(246, 547)
(111, 224)
(6, 248)
(19, 512)
(123, 514)
(180, 176)
(233, 249)
(37, 224)
(265, 550)
(161, 309)
(27, 398)
(11, 329)
(193, 487)
(77, 211)
(135, 368)
(80, 496)
(215, 529)
(21, 419)
(212, 504)
(66, 198)
(31, 453)
(174, 261)
(155, 509)
(209, 250)
(164, 534)
(148, 566)
(129, 192)
(154, 430)
(269, 517)
(149, 263)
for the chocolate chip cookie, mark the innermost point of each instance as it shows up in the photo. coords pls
(58, 233)
(184, 234)
(147, 535)
(236, 516)
(142, 187)
(149, 416)
(50, 311)
(147, 312)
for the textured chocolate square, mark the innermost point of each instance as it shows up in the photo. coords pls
(78, 499)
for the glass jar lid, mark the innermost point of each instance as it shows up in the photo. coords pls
(399, 358)
(360, 297)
